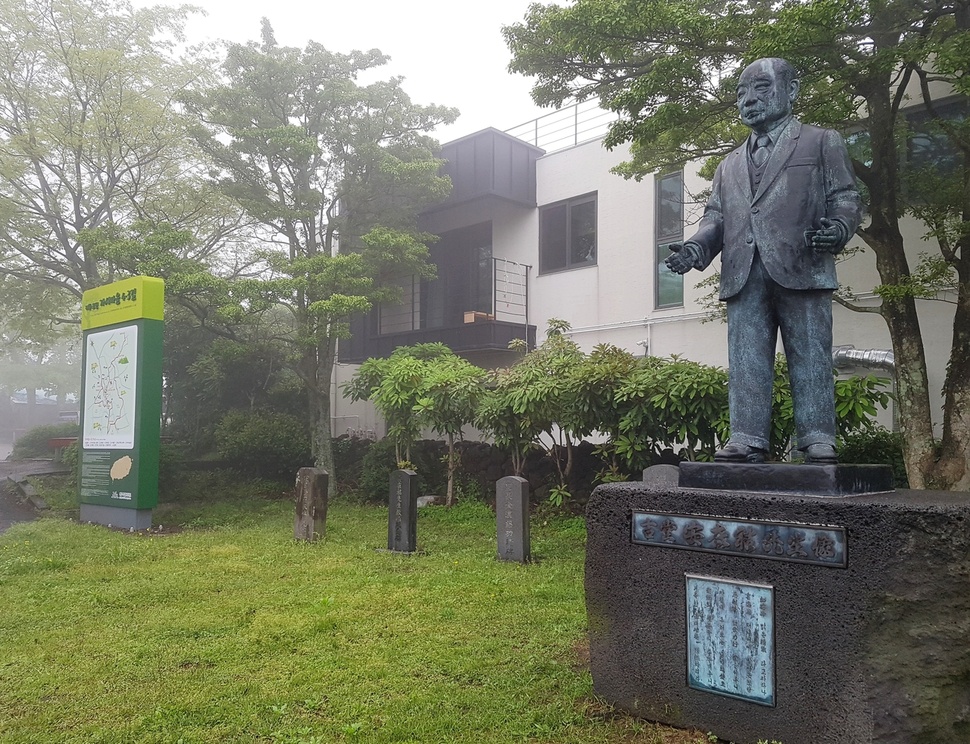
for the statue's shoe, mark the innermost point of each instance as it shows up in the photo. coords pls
(820, 454)
(735, 452)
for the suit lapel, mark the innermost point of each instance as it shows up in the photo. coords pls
(780, 154)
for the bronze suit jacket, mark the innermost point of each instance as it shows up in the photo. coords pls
(807, 177)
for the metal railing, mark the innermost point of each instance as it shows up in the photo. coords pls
(565, 127)
(510, 291)
(509, 301)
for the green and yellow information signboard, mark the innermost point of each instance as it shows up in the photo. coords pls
(121, 402)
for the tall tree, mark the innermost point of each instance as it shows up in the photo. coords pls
(89, 135)
(668, 69)
(334, 172)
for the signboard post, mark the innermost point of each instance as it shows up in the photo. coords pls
(121, 402)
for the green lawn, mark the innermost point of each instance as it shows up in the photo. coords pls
(230, 631)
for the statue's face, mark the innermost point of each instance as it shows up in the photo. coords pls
(764, 98)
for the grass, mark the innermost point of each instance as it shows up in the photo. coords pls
(227, 630)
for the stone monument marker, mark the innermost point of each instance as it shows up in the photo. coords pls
(773, 614)
(512, 519)
(402, 512)
(311, 504)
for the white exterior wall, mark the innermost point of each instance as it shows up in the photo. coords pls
(346, 417)
(614, 301)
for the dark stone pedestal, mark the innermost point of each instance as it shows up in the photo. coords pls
(862, 633)
(811, 480)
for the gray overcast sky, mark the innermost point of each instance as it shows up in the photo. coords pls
(450, 52)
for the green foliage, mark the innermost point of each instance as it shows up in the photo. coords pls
(671, 404)
(263, 442)
(205, 376)
(419, 386)
(171, 466)
(33, 443)
(71, 458)
(932, 276)
(394, 385)
(642, 406)
(857, 400)
(530, 403)
(378, 464)
(875, 445)
(90, 134)
(348, 460)
(559, 495)
(34, 355)
(291, 134)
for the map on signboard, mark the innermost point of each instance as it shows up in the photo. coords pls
(109, 389)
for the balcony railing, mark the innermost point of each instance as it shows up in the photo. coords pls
(486, 320)
(565, 127)
(510, 291)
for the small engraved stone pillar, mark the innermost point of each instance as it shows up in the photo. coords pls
(311, 504)
(402, 512)
(512, 519)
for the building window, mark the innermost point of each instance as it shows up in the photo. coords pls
(670, 229)
(567, 234)
(933, 160)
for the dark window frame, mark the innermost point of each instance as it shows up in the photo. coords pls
(569, 239)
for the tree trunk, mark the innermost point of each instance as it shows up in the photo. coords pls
(886, 241)
(951, 471)
(518, 461)
(450, 495)
(912, 388)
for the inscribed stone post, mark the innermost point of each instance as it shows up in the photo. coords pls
(311, 504)
(512, 519)
(402, 512)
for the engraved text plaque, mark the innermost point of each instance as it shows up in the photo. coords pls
(731, 638)
(821, 545)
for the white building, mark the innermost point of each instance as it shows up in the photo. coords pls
(528, 235)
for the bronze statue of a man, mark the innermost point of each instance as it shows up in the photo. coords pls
(782, 205)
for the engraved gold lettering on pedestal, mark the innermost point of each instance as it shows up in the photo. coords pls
(823, 545)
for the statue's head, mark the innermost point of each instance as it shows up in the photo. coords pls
(766, 91)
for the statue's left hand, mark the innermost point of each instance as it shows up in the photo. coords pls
(830, 238)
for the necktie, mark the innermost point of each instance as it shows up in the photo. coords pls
(761, 149)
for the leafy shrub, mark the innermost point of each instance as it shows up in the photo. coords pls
(348, 460)
(263, 442)
(380, 461)
(171, 466)
(33, 443)
(876, 446)
(378, 464)
(71, 456)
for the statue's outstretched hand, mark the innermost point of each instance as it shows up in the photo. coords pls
(830, 238)
(682, 258)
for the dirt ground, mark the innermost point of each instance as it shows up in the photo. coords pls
(12, 510)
